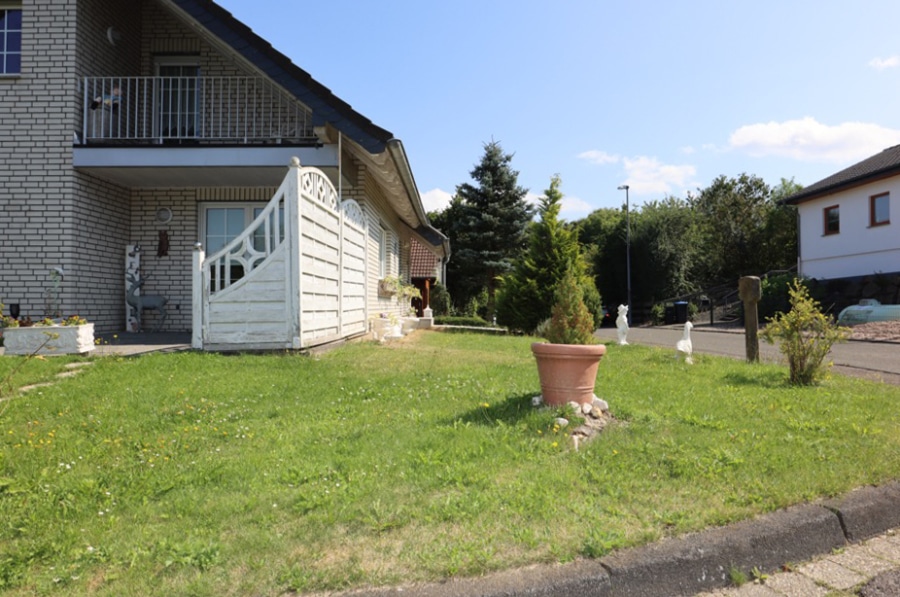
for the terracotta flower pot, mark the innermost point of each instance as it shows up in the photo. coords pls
(567, 371)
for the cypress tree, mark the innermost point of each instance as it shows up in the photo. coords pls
(527, 293)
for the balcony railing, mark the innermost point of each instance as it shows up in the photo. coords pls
(231, 110)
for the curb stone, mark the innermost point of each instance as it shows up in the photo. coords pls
(868, 511)
(698, 562)
(703, 561)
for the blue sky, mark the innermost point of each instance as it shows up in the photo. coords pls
(662, 96)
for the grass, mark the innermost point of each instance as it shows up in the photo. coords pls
(205, 474)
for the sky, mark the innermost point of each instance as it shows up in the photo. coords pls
(658, 95)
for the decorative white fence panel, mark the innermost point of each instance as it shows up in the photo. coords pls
(353, 271)
(294, 278)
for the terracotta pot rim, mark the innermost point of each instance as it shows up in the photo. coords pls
(548, 348)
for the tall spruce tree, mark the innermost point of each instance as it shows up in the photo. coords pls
(527, 294)
(489, 229)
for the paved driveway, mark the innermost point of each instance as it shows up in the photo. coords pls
(872, 360)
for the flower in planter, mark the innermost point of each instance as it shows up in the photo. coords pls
(74, 320)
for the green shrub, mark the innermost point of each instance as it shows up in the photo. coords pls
(570, 320)
(776, 295)
(439, 301)
(461, 320)
(806, 335)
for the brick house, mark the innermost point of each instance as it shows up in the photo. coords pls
(160, 124)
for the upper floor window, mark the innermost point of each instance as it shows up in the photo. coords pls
(880, 209)
(832, 219)
(10, 38)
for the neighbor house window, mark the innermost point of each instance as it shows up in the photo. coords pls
(10, 38)
(880, 209)
(832, 219)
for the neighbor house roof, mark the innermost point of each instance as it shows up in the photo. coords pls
(881, 165)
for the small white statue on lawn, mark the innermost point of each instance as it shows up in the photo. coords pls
(622, 324)
(684, 348)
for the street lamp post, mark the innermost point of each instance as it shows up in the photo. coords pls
(627, 249)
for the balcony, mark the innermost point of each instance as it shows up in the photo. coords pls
(191, 110)
(194, 131)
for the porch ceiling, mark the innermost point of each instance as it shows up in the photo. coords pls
(186, 177)
(143, 167)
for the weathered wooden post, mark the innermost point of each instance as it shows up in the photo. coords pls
(750, 291)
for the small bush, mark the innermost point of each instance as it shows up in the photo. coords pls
(806, 335)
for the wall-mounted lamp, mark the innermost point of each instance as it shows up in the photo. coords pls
(113, 35)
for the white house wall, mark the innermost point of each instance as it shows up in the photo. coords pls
(858, 249)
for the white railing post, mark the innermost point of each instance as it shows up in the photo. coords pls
(293, 260)
(197, 298)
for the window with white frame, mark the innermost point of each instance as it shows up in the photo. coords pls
(10, 38)
(880, 209)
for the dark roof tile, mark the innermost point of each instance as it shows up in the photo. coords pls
(326, 106)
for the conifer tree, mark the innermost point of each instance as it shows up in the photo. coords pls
(489, 228)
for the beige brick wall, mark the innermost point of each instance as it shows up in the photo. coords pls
(51, 215)
(36, 186)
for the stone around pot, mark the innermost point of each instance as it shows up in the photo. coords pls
(567, 371)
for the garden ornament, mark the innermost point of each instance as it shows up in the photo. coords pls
(622, 324)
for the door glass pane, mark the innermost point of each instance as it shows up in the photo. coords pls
(259, 235)
(222, 225)
(178, 100)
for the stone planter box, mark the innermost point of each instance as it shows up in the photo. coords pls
(57, 339)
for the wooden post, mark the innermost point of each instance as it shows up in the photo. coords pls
(750, 291)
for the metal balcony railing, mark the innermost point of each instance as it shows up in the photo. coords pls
(229, 110)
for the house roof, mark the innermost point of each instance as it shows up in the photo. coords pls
(326, 107)
(880, 165)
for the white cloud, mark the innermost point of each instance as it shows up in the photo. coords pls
(883, 63)
(573, 208)
(436, 200)
(595, 156)
(810, 141)
(533, 199)
(647, 175)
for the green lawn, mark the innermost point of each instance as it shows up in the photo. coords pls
(206, 474)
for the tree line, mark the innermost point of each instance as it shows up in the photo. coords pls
(506, 262)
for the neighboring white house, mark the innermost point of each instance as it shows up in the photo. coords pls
(161, 124)
(845, 226)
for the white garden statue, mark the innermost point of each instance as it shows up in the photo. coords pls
(622, 324)
(684, 348)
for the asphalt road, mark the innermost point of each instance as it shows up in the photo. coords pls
(879, 361)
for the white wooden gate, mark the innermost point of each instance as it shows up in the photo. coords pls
(294, 278)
